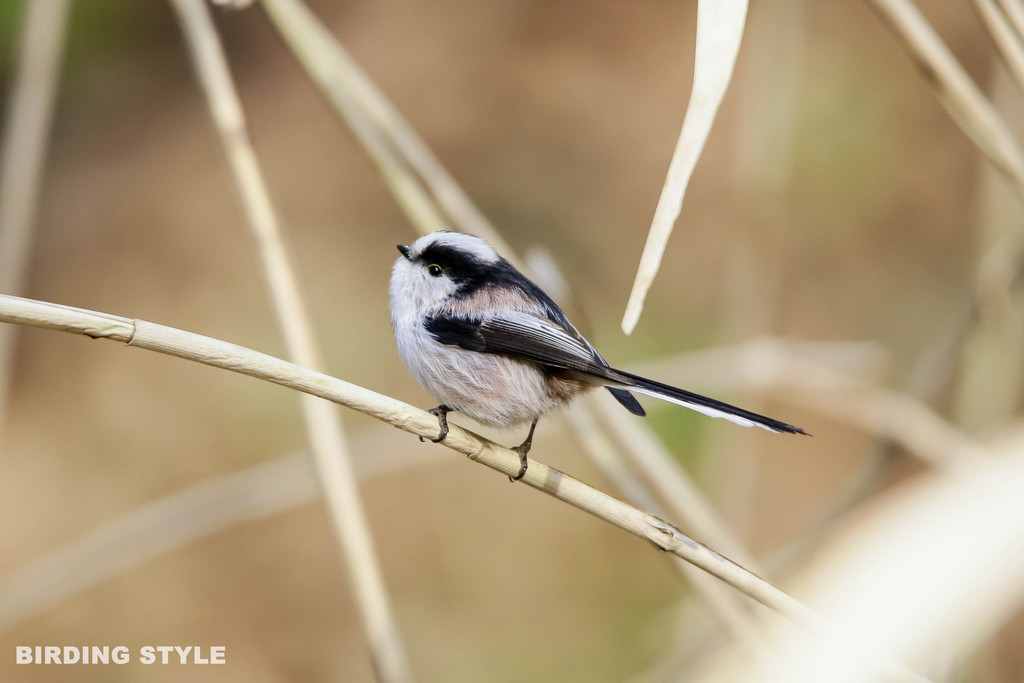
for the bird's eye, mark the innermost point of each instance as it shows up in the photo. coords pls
(435, 270)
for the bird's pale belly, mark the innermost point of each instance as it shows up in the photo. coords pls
(491, 389)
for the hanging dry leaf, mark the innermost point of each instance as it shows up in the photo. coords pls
(719, 31)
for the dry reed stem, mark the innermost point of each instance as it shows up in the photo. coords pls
(750, 286)
(596, 422)
(175, 520)
(217, 504)
(816, 387)
(1014, 11)
(327, 441)
(320, 56)
(929, 572)
(1003, 36)
(977, 117)
(152, 529)
(956, 91)
(224, 355)
(357, 98)
(227, 356)
(25, 137)
(584, 427)
(896, 416)
(988, 364)
(719, 32)
(400, 153)
(669, 481)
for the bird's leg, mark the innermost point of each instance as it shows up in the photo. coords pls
(522, 449)
(441, 413)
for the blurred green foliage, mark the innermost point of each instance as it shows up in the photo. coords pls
(103, 30)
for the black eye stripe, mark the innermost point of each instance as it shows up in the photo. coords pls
(455, 262)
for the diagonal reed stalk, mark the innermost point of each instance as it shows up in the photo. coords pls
(181, 344)
(1014, 12)
(24, 144)
(421, 185)
(429, 196)
(1003, 35)
(227, 356)
(216, 504)
(185, 516)
(961, 98)
(159, 526)
(327, 441)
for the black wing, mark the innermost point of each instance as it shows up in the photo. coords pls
(543, 341)
(533, 338)
(519, 335)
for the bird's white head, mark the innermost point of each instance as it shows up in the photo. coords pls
(431, 270)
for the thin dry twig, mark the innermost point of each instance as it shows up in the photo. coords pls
(1014, 11)
(677, 491)
(661, 477)
(751, 285)
(914, 575)
(158, 527)
(178, 519)
(227, 356)
(217, 504)
(1001, 31)
(766, 365)
(584, 426)
(955, 89)
(318, 53)
(224, 355)
(420, 182)
(399, 152)
(25, 137)
(978, 118)
(988, 360)
(30, 110)
(326, 437)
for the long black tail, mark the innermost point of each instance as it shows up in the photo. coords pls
(704, 404)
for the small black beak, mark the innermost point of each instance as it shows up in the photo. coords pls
(404, 248)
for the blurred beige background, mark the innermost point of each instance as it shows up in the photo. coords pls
(835, 201)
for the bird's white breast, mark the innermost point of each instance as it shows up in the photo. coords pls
(489, 388)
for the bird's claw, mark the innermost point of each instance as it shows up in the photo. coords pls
(522, 463)
(441, 413)
(522, 449)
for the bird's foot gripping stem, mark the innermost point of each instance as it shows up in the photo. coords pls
(522, 449)
(441, 413)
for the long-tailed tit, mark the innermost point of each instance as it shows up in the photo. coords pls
(484, 340)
